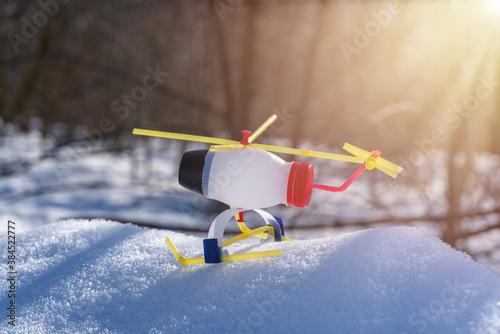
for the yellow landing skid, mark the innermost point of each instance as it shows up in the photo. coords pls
(224, 258)
(260, 234)
(247, 233)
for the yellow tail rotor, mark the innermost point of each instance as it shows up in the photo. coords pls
(381, 164)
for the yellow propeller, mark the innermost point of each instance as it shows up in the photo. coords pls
(220, 144)
(181, 136)
(281, 149)
(381, 164)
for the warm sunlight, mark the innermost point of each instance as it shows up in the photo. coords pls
(492, 6)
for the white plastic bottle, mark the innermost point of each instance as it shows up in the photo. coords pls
(247, 178)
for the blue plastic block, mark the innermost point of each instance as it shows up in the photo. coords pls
(280, 221)
(211, 250)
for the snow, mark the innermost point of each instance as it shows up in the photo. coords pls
(98, 276)
(73, 184)
(101, 276)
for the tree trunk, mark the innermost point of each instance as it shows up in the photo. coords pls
(457, 170)
(308, 75)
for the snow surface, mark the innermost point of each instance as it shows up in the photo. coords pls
(80, 276)
(43, 183)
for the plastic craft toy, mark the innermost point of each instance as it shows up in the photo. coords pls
(246, 176)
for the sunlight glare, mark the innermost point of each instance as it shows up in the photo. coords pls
(493, 6)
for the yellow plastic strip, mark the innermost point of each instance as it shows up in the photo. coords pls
(365, 155)
(224, 258)
(287, 239)
(215, 148)
(390, 165)
(251, 138)
(386, 170)
(254, 255)
(181, 136)
(308, 153)
(261, 128)
(245, 229)
(262, 236)
(179, 257)
(362, 154)
(381, 164)
(242, 226)
(246, 235)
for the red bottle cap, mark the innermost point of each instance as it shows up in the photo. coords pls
(300, 182)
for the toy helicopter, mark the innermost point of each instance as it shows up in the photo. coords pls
(247, 177)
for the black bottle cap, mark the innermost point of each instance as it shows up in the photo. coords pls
(191, 170)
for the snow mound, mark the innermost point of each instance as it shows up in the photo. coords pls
(98, 276)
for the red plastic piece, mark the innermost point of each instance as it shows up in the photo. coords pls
(344, 186)
(245, 137)
(300, 181)
(346, 183)
(241, 219)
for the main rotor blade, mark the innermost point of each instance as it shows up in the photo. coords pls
(261, 128)
(307, 153)
(288, 150)
(215, 148)
(181, 136)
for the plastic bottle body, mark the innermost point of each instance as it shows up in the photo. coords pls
(246, 178)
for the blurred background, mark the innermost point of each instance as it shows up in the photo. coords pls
(417, 80)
